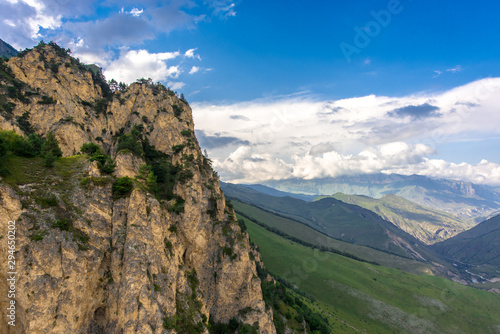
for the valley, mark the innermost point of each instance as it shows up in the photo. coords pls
(469, 257)
(377, 299)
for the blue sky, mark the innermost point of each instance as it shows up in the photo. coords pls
(240, 61)
(281, 48)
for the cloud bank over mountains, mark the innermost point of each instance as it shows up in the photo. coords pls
(305, 138)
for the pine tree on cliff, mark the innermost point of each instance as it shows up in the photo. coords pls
(51, 145)
(50, 150)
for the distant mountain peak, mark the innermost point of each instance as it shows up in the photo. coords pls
(6, 50)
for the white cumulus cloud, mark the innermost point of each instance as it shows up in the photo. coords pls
(136, 11)
(190, 54)
(194, 69)
(133, 64)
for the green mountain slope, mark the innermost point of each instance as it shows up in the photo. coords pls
(426, 224)
(477, 250)
(338, 220)
(309, 235)
(360, 297)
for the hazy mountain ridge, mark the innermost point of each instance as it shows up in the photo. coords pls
(426, 224)
(310, 235)
(463, 199)
(277, 193)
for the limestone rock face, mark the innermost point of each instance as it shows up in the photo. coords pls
(127, 164)
(88, 261)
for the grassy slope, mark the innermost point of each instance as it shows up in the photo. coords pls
(478, 248)
(306, 233)
(32, 170)
(378, 299)
(428, 225)
(337, 219)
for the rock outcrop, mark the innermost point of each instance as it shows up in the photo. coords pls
(89, 261)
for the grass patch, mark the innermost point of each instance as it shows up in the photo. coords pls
(24, 171)
(46, 202)
(38, 235)
(63, 224)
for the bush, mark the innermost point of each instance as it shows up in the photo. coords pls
(54, 67)
(3, 147)
(178, 148)
(104, 162)
(47, 201)
(242, 225)
(108, 167)
(171, 322)
(51, 145)
(122, 187)
(151, 183)
(101, 106)
(36, 142)
(49, 159)
(21, 146)
(131, 141)
(8, 107)
(37, 235)
(3, 151)
(90, 148)
(177, 110)
(178, 207)
(86, 103)
(24, 123)
(47, 100)
(99, 157)
(63, 224)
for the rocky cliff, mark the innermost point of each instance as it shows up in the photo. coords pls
(93, 258)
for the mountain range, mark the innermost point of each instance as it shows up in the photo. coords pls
(426, 224)
(363, 289)
(463, 199)
(391, 224)
(337, 219)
